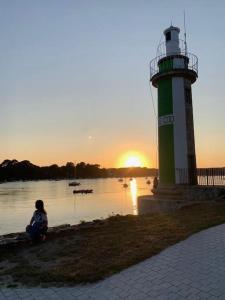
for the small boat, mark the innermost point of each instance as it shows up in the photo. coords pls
(120, 180)
(131, 179)
(82, 191)
(125, 185)
(74, 183)
(148, 182)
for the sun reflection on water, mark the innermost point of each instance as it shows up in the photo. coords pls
(133, 192)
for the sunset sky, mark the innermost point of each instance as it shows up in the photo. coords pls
(74, 79)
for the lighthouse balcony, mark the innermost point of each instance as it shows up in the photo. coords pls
(183, 65)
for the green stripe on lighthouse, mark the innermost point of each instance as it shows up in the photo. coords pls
(166, 65)
(165, 98)
(166, 136)
(166, 154)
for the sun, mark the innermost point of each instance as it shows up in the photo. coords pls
(132, 159)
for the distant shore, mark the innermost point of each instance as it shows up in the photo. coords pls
(13, 170)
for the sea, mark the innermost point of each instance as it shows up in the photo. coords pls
(109, 197)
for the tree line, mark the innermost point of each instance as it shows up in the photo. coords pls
(13, 170)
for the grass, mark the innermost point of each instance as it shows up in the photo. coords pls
(90, 254)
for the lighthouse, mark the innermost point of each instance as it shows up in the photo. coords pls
(173, 72)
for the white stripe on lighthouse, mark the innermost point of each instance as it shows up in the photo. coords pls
(180, 136)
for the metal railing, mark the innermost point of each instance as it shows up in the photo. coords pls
(205, 176)
(191, 62)
(211, 176)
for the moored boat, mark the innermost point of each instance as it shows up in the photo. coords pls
(87, 191)
(74, 183)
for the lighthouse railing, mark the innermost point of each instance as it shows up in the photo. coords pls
(191, 59)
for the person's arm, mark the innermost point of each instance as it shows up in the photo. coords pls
(44, 224)
(44, 221)
(32, 220)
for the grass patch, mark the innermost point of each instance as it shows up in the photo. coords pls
(91, 254)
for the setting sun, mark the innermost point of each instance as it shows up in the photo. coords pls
(133, 159)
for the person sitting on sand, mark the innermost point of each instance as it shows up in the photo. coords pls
(155, 183)
(38, 223)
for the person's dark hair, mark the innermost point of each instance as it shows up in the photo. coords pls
(39, 204)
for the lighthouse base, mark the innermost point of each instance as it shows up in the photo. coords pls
(168, 198)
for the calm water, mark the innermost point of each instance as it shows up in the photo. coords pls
(109, 197)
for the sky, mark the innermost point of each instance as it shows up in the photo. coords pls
(74, 78)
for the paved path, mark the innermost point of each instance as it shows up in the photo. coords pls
(192, 269)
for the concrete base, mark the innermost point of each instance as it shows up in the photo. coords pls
(189, 192)
(169, 198)
(149, 204)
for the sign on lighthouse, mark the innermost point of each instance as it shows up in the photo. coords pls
(173, 72)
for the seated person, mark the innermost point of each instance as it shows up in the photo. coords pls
(39, 223)
(155, 183)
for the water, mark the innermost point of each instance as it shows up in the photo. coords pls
(109, 197)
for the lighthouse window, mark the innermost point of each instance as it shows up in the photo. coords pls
(168, 36)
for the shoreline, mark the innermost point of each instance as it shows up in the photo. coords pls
(21, 237)
(91, 251)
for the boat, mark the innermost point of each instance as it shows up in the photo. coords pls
(74, 183)
(83, 191)
(148, 182)
(131, 179)
(125, 185)
(120, 179)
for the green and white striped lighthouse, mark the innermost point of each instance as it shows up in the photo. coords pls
(173, 72)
